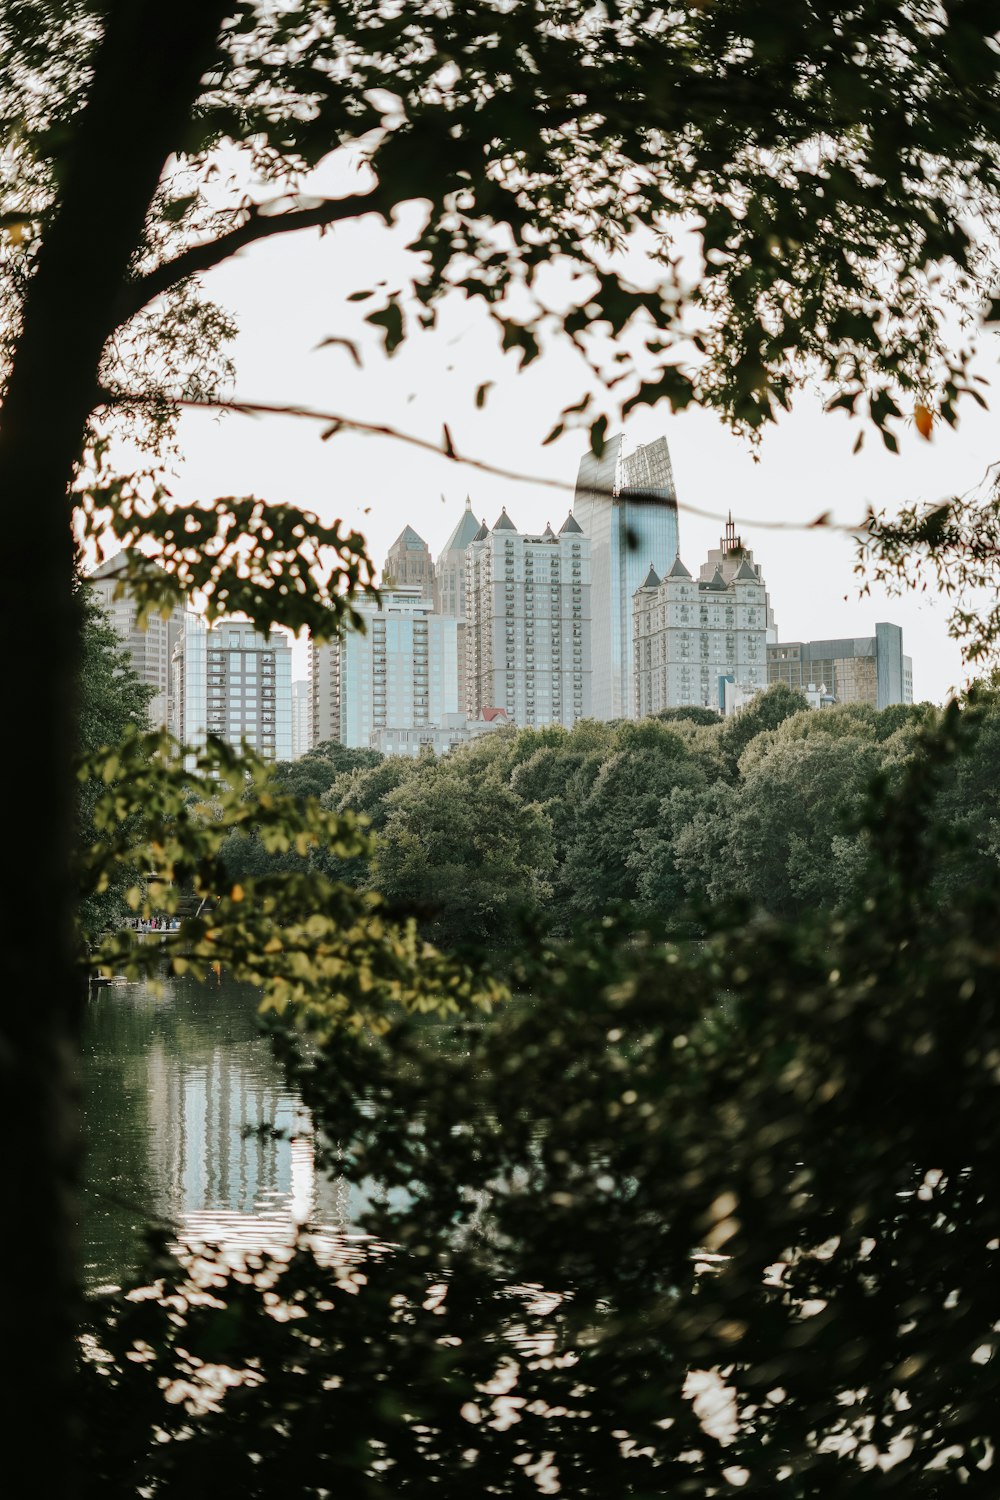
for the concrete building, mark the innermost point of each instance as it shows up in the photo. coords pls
(401, 673)
(626, 505)
(728, 558)
(409, 565)
(450, 581)
(456, 730)
(863, 669)
(232, 681)
(528, 624)
(699, 641)
(301, 718)
(151, 646)
(449, 571)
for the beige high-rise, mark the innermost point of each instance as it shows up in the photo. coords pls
(150, 646)
(527, 623)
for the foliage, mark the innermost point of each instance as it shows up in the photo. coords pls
(276, 564)
(662, 816)
(112, 701)
(829, 209)
(760, 1167)
(470, 857)
(313, 774)
(766, 711)
(951, 544)
(836, 165)
(306, 940)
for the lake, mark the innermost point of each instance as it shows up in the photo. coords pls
(189, 1121)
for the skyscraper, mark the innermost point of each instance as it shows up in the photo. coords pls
(690, 634)
(408, 564)
(626, 505)
(728, 559)
(449, 572)
(301, 718)
(528, 624)
(401, 673)
(449, 582)
(233, 681)
(150, 647)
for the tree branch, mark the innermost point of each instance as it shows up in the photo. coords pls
(259, 225)
(334, 423)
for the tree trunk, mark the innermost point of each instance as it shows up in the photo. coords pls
(146, 75)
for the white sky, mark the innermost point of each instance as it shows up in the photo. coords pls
(288, 295)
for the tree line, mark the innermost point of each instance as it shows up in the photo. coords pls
(666, 816)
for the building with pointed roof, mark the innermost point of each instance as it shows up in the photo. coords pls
(570, 524)
(408, 564)
(527, 624)
(626, 504)
(450, 579)
(693, 637)
(464, 531)
(732, 558)
(503, 522)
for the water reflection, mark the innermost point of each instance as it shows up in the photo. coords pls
(189, 1120)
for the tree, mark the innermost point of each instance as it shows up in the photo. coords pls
(112, 699)
(313, 775)
(816, 151)
(465, 853)
(765, 1158)
(645, 763)
(766, 711)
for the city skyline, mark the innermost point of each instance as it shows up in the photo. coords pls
(803, 466)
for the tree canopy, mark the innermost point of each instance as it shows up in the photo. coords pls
(837, 168)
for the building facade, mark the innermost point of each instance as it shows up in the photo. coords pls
(449, 582)
(697, 641)
(449, 570)
(440, 738)
(235, 682)
(862, 669)
(400, 673)
(408, 564)
(728, 558)
(528, 624)
(151, 645)
(301, 718)
(626, 505)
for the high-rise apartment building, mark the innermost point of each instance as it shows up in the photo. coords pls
(692, 635)
(449, 571)
(862, 669)
(528, 624)
(151, 646)
(449, 582)
(233, 681)
(626, 505)
(301, 718)
(400, 673)
(408, 564)
(728, 558)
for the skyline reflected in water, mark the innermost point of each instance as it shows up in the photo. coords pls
(190, 1122)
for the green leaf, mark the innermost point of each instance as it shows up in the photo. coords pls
(391, 319)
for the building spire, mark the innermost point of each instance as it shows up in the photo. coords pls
(731, 542)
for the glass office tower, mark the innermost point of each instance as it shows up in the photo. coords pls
(627, 506)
